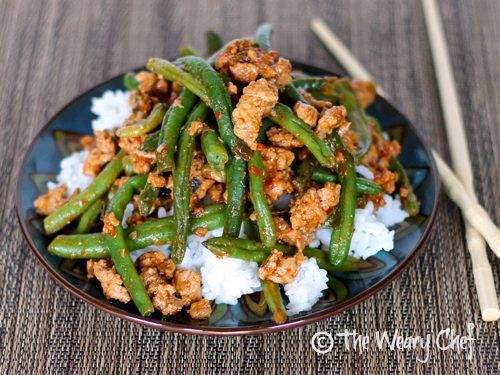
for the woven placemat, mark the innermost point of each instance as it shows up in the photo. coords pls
(53, 50)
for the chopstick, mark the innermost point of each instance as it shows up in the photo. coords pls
(482, 272)
(461, 162)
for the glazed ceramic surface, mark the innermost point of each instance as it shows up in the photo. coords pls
(60, 137)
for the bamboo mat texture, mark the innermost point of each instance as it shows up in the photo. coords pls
(50, 51)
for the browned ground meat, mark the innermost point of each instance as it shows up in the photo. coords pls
(195, 128)
(162, 293)
(378, 158)
(279, 268)
(282, 138)
(153, 271)
(278, 175)
(130, 145)
(188, 285)
(276, 158)
(110, 223)
(306, 113)
(200, 309)
(51, 201)
(156, 180)
(152, 85)
(257, 101)
(307, 213)
(320, 105)
(111, 282)
(246, 63)
(278, 183)
(156, 259)
(103, 151)
(199, 182)
(142, 161)
(366, 91)
(332, 119)
(87, 142)
(232, 88)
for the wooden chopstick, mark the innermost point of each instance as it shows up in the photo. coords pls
(460, 158)
(483, 275)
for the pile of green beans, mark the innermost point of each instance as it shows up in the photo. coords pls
(167, 131)
(203, 81)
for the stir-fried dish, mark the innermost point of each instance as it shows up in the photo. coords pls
(211, 178)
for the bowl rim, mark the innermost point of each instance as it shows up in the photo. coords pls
(223, 331)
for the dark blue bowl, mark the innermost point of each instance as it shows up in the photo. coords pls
(59, 137)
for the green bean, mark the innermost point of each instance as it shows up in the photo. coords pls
(220, 103)
(236, 175)
(188, 51)
(355, 113)
(149, 124)
(76, 206)
(284, 116)
(266, 125)
(410, 202)
(255, 251)
(147, 198)
(343, 223)
(265, 222)
(293, 94)
(172, 73)
(274, 301)
(80, 246)
(182, 190)
(118, 246)
(89, 217)
(151, 141)
(214, 42)
(263, 36)
(303, 173)
(214, 150)
(314, 84)
(169, 133)
(130, 82)
(363, 185)
(151, 232)
(128, 165)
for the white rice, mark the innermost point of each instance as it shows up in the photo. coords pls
(364, 172)
(391, 213)
(111, 109)
(307, 287)
(225, 279)
(71, 173)
(371, 233)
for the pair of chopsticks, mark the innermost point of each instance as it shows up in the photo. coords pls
(479, 226)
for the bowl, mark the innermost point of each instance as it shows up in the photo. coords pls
(59, 137)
